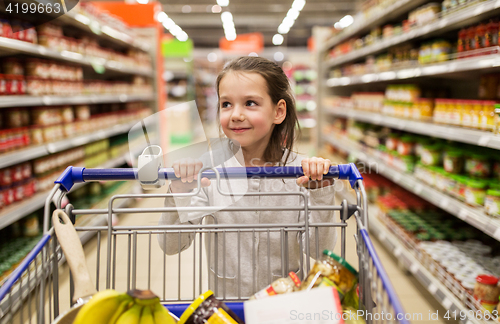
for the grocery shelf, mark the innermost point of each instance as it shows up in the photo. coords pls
(453, 133)
(473, 216)
(17, 211)
(17, 46)
(106, 33)
(460, 18)
(362, 25)
(442, 294)
(50, 148)
(25, 101)
(478, 63)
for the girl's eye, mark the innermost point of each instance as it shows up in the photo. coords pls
(251, 103)
(225, 104)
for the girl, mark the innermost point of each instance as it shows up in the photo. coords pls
(257, 112)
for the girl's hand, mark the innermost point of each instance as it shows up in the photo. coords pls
(187, 170)
(314, 169)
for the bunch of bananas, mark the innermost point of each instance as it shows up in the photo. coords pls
(134, 307)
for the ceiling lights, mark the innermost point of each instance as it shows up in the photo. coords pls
(289, 20)
(223, 3)
(172, 27)
(346, 21)
(278, 39)
(228, 25)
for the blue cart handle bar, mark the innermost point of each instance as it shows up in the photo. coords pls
(74, 175)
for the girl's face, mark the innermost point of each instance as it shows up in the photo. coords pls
(247, 113)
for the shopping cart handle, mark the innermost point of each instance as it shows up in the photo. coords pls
(74, 175)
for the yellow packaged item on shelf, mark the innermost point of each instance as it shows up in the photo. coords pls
(467, 112)
(476, 113)
(487, 122)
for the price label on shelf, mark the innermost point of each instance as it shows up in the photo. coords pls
(46, 100)
(462, 214)
(496, 235)
(396, 177)
(432, 289)
(95, 27)
(479, 10)
(414, 268)
(444, 203)
(98, 65)
(483, 140)
(447, 303)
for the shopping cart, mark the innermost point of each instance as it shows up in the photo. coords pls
(32, 292)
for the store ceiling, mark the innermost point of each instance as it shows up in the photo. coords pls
(205, 27)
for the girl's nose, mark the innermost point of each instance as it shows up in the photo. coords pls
(237, 115)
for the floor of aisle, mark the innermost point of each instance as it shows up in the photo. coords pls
(415, 299)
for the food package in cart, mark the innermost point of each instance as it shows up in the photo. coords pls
(321, 305)
(331, 271)
(279, 286)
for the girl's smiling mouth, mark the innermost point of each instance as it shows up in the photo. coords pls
(239, 130)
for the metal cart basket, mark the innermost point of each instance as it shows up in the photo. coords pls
(33, 293)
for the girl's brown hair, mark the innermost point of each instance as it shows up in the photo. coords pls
(278, 86)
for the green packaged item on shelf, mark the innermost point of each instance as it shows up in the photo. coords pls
(492, 202)
(420, 142)
(478, 165)
(453, 161)
(475, 192)
(408, 163)
(431, 154)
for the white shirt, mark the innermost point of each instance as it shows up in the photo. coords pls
(253, 254)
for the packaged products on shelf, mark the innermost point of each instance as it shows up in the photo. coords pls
(406, 145)
(12, 66)
(431, 154)
(492, 202)
(486, 291)
(424, 14)
(478, 165)
(31, 226)
(453, 161)
(422, 109)
(475, 192)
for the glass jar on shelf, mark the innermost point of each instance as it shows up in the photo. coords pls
(488, 116)
(478, 165)
(467, 112)
(453, 161)
(475, 192)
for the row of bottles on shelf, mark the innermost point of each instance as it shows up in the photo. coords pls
(405, 101)
(473, 41)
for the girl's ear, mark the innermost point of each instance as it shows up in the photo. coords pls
(280, 112)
